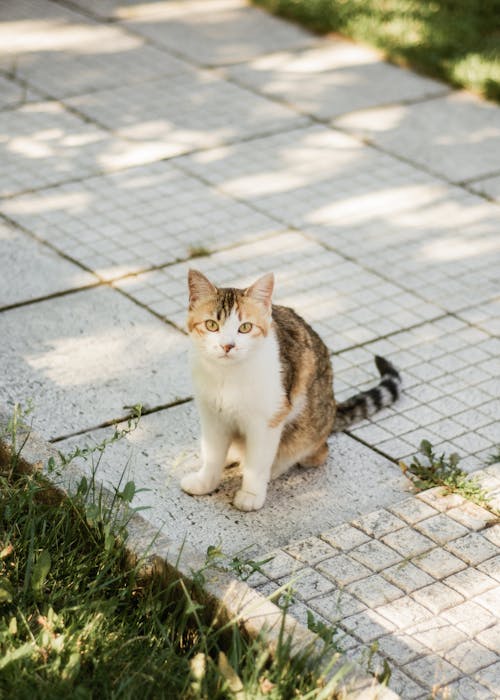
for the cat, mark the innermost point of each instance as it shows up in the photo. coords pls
(263, 384)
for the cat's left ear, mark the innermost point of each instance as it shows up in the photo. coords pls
(262, 290)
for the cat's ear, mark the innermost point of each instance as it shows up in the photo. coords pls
(262, 290)
(199, 286)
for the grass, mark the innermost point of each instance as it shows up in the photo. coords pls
(78, 619)
(433, 470)
(457, 41)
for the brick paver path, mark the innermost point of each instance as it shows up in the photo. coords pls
(135, 137)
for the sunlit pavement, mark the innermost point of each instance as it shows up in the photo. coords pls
(136, 137)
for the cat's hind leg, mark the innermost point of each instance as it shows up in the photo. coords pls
(316, 458)
(236, 453)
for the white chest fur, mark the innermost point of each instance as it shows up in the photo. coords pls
(242, 391)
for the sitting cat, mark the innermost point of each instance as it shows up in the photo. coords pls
(264, 388)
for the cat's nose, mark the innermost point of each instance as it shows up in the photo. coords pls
(227, 347)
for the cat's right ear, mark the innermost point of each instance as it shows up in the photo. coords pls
(199, 286)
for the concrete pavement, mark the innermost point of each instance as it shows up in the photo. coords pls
(136, 137)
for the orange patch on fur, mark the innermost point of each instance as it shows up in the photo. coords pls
(280, 414)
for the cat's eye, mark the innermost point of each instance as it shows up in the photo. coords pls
(211, 325)
(245, 327)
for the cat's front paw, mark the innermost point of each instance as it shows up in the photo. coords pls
(197, 484)
(244, 500)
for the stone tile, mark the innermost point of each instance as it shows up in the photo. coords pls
(490, 677)
(135, 219)
(404, 612)
(432, 671)
(466, 688)
(473, 548)
(437, 634)
(439, 499)
(470, 656)
(437, 597)
(491, 567)
(441, 528)
(41, 144)
(13, 94)
(307, 583)
(374, 590)
(270, 590)
(336, 605)
(214, 33)
(90, 57)
(333, 78)
(490, 599)
(490, 638)
(342, 569)
(280, 564)
(415, 132)
(311, 550)
(492, 533)
(344, 537)
(400, 683)
(367, 625)
(408, 542)
(168, 125)
(378, 523)
(42, 271)
(489, 187)
(82, 359)
(473, 517)
(407, 576)
(439, 563)
(345, 641)
(469, 617)
(470, 582)
(412, 510)
(376, 555)
(401, 648)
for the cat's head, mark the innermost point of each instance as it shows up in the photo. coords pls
(228, 324)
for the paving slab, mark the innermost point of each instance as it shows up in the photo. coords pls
(164, 447)
(137, 219)
(332, 293)
(333, 78)
(160, 112)
(214, 32)
(41, 270)
(14, 94)
(433, 390)
(446, 250)
(24, 23)
(315, 176)
(489, 187)
(83, 358)
(42, 143)
(456, 136)
(485, 316)
(93, 57)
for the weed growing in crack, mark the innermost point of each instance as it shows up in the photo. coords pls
(443, 470)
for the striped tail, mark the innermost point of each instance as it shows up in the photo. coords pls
(366, 403)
